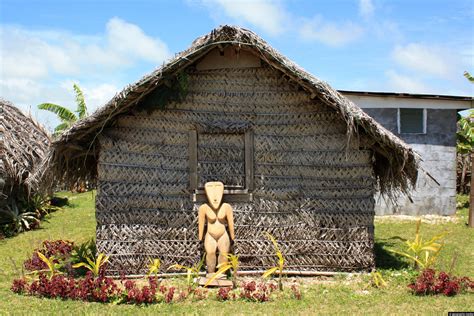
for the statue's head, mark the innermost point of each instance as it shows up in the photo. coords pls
(214, 192)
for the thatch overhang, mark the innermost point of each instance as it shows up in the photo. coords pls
(74, 154)
(24, 144)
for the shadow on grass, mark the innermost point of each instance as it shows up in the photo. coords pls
(384, 259)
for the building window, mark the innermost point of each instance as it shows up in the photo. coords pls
(411, 121)
(225, 157)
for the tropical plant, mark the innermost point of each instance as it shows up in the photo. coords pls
(191, 272)
(66, 116)
(51, 263)
(18, 220)
(377, 280)
(422, 253)
(232, 263)
(154, 267)
(257, 292)
(281, 262)
(24, 214)
(428, 283)
(41, 205)
(464, 147)
(465, 144)
(465, 133)
(81, 253)
(93, 266)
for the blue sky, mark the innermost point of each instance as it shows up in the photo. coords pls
(416, 46)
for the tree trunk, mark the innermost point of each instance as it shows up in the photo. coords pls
(470, 221)
(464, 165)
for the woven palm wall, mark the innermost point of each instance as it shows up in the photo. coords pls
(310, 191)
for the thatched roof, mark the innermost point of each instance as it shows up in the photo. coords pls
(24, 144)
(395, 162)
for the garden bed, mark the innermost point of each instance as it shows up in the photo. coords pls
(345, 293)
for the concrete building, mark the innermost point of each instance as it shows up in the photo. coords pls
(428, 124)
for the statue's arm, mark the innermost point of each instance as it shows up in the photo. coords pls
(230, 221)
(201, 221)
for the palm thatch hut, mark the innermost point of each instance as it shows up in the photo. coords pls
(23, 146)
(298, 159)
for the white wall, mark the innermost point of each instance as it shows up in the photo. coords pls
(436, 147)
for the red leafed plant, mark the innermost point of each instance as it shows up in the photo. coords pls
(296, 292)
(134, 294)
(224, 294)
(199, 294)
(19, 286)
(100, 289)
(257, 292)
(170, 294)
(428, 283)
(59, 249)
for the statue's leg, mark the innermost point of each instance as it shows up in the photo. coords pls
(223, 244)
(210, 244)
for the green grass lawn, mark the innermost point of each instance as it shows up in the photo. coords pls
(341, 294)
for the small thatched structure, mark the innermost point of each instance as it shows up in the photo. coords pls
(23, 146)
(299, 160)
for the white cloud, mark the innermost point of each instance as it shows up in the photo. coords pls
(41, 66)
(265, 14)
(425, 59)
(366, 8)
(98, 95)
(330, 33)
(274, 19)
(39, 54)
(129, 40)
(24, 55)
(405, 83)
(19, 90)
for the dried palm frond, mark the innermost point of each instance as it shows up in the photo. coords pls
(23, 146)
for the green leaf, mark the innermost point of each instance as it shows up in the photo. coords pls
(469, 77)
(91, 263)
(80, 101)
(102, 259)
(61, 128)
(48, 261)
(404, 254)
(80, 264)
(64, 114)
(431, 248)
(269, 272)
(179, 267)
(223, 269)
(273, 240)
(154, 266)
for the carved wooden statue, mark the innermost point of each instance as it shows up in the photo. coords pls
(216, 214)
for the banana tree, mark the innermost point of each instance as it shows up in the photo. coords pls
(66, 116)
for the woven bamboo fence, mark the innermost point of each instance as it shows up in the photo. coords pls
(312, 189)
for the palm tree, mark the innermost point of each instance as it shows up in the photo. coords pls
(66, 116)
(470, 125)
